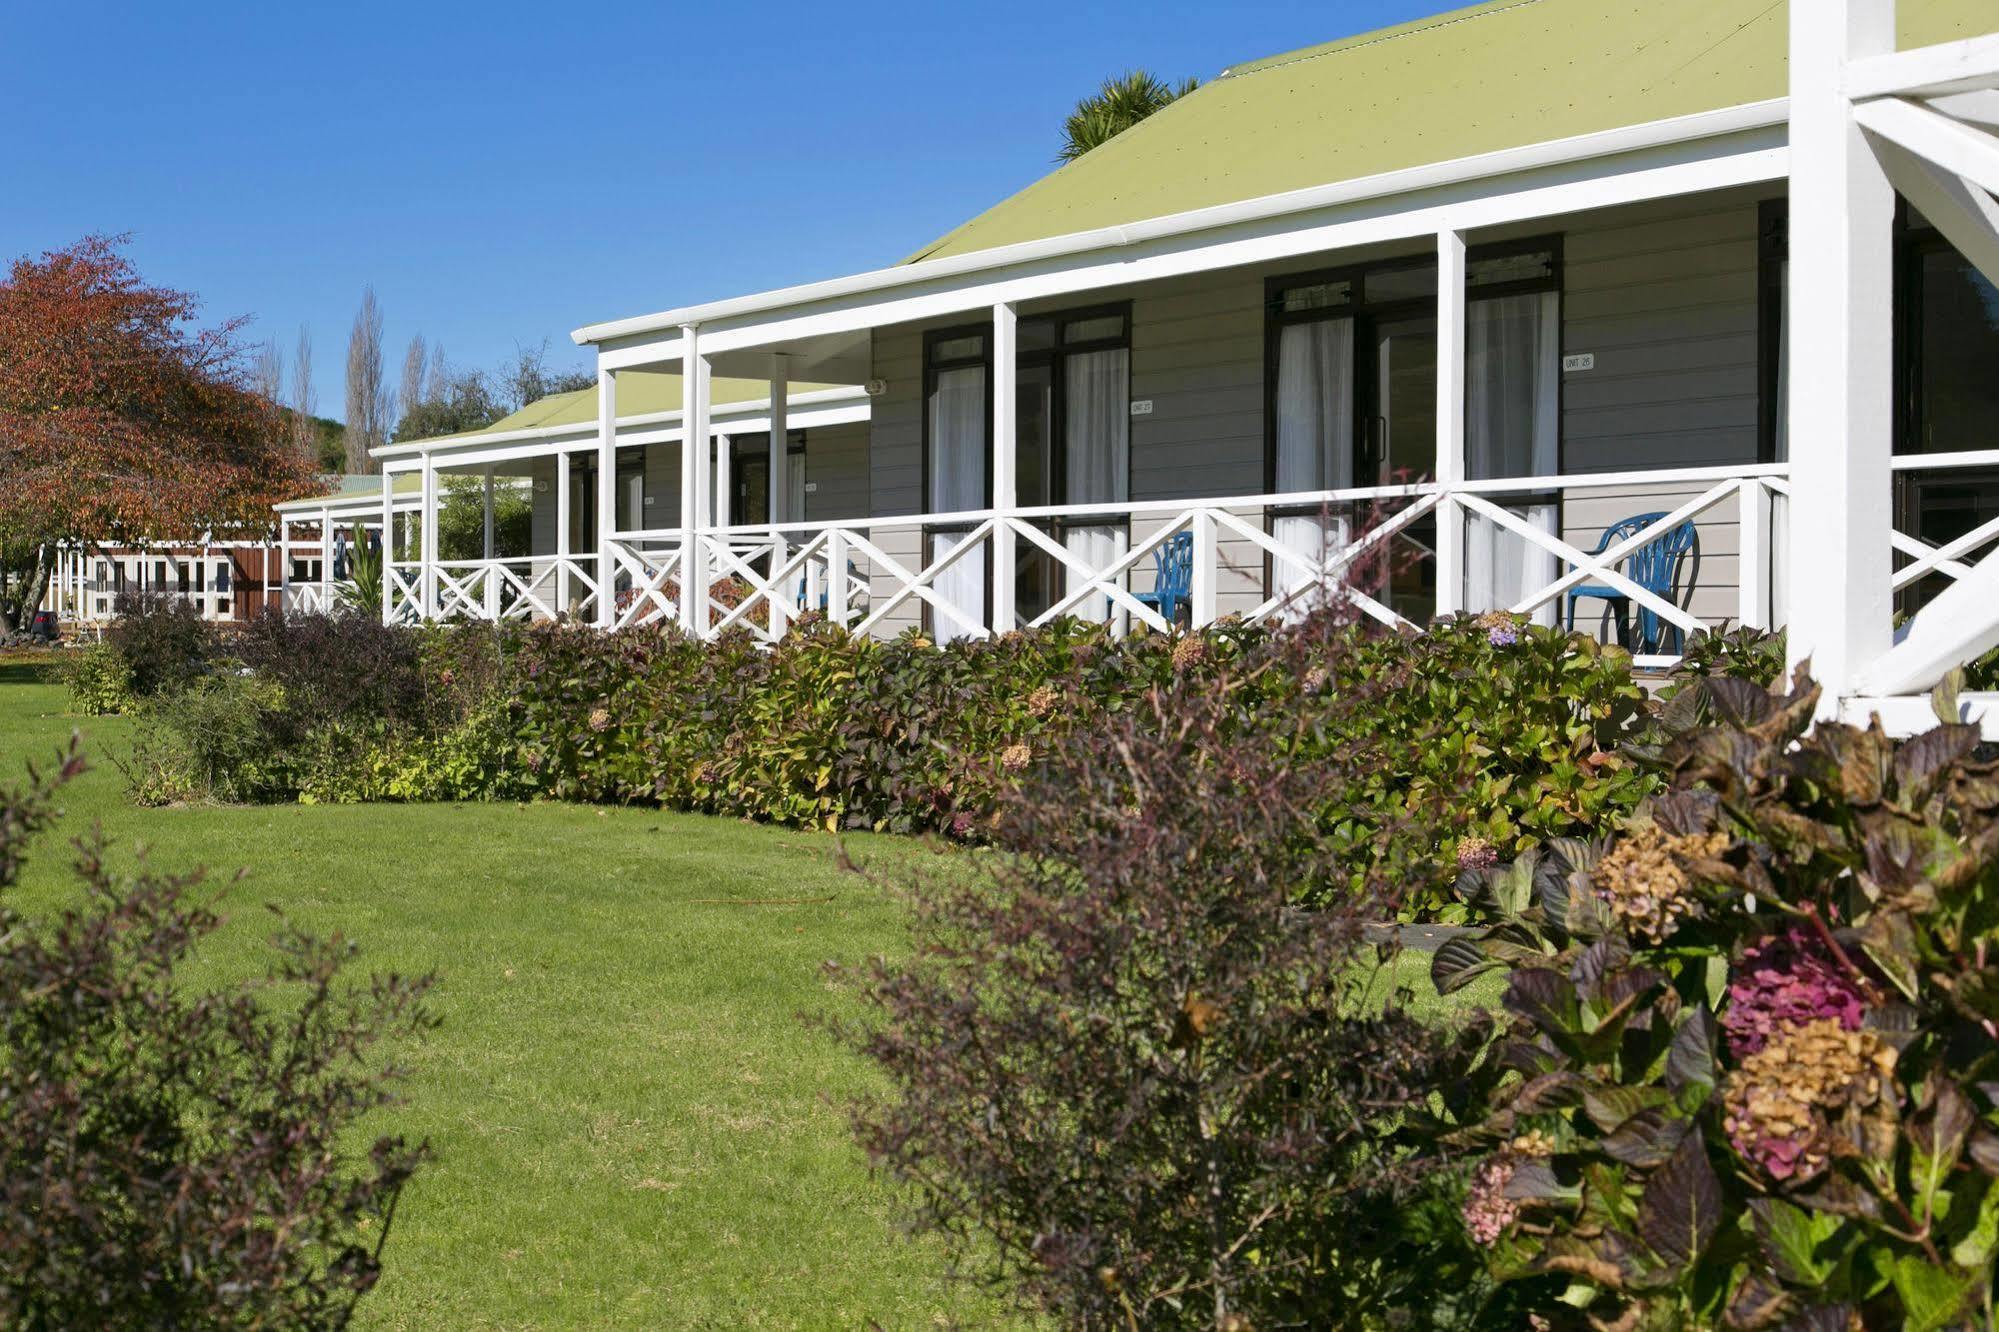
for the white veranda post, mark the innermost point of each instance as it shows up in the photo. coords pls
(1006, 336)
(696, 488)
(489, 580)
(1839, 294)
(427, 543)
(325, 561)
(778, 482)
(1867, 120)
(607, 496)
(388, 544)
(1450, 466)
(563, 550)
(284, 563)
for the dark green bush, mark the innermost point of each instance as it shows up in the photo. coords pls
(174, 1156)
(164, 641)
(1749, 1075)
(1130, 1077)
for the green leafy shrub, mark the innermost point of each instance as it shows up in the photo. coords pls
(1134, 1081)
(164, 641)
(173, 1156)
(1749, 1072)
(97, 679)
(1502, 734)
(211, 741)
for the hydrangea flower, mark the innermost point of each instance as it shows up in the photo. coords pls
(1645, 880)
(600, 720)
(1475, 853)
(962, 823)
(1042, 701)
(1191, 650)
(1315, 679)
(1787, 980)
(1779, 1107)
(1501, 628)
(1487, 1210)
(1015, 757)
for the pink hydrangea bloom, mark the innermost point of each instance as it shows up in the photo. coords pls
(1784, 981)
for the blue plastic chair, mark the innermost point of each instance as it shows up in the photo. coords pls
(1654, 566)
(1172, 576)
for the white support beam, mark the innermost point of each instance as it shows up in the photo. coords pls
(778, 474)
(696, 490)
(1966, 215)
(1980, 108)
(427, 543)
(1961, 149)
(284, 563)
(1005, 479)
(325, 562)
(1955, 629)
(1839, 293)
(1926, 71)
(607, 495)
(1450, 464)
(388, 544)
(725, 456)
(564, 547)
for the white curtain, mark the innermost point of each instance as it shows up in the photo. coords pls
(957, 412)
(1314, 436)
(1513, 364)
(1097, 452)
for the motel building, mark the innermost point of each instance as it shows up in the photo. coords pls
(1652, 319)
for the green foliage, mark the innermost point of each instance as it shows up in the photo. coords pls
(1129, 1076)
(1115, 107)
(1501, 735)
(461, 519)
(455, 403)
(97, 680)
(362, 591)
(1749, 1075)
(210, 742)
(173, 1155)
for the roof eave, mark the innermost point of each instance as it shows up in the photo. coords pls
(1601, 143)
(418, 447)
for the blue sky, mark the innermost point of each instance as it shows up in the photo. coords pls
(503, 173)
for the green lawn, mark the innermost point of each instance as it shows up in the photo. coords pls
(633, 1125)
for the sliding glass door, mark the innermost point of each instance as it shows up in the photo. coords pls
(1353, 403)
(957, 426)
(1072, 418)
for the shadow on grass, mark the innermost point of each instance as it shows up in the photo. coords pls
(27, 672)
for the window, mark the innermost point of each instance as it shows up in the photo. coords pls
(1073, 446)
(1352, 386)
(749, 479)
(957, 429)
(1946, 323)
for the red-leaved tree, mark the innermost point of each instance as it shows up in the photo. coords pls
(121, 418)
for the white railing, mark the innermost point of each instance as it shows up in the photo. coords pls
(879, 575)
(310, 598)
(528, 587)
(1953, 559)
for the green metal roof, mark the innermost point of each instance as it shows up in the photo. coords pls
(1495, 76)
(640, 393)
(350, 486)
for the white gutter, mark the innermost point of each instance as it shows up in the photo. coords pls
(417, 447)
(1555, 152)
